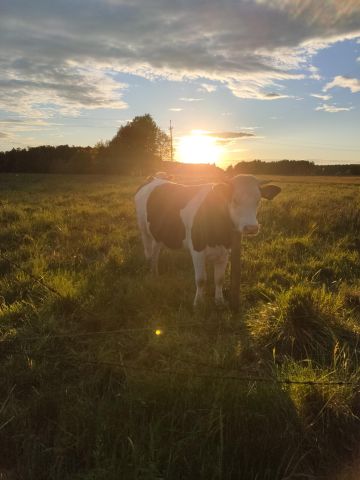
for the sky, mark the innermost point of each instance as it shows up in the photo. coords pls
(264, 79)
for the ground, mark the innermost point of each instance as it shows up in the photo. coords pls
(171, 392)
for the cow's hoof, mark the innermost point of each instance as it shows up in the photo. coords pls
(199, 302)
(221, 304)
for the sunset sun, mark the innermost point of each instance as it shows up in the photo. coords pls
(199, 147)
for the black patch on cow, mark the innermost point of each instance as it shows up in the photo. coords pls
(163, 212)
(212, 224)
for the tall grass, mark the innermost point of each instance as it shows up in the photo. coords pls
(137, 405)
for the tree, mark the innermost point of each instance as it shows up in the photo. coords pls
(138, 147)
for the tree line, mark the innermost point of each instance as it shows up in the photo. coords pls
(140, 147)
(292, 167)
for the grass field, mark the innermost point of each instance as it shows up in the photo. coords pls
(173, 393)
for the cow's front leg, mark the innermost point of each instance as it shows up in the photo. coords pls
(220, 264)
(199, 261)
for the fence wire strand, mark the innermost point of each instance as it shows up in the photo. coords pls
(191, 374)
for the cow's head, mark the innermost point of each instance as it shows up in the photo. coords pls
(245, 193)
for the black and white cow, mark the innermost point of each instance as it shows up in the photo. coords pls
(201, 218)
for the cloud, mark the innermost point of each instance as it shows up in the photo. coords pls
(229, 138)
(174, 109)
(315, 75)
(274, 96)
(15, 131)
(333, 108)
(254, 88)
(190, 99)
(230, 135)
(207, 87)
(322, 97)
(344, 82)
(23, 121)
(37, 89)
(66, 56)
(13, 126)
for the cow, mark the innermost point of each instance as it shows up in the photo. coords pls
(201, 218)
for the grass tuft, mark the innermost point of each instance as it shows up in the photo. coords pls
(303, 322)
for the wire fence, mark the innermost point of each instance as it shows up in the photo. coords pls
(169, 370)
(128, 366)
(173, 372)
(238, 378)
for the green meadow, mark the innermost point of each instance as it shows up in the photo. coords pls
(108, 373)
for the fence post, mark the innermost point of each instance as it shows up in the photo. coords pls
(235, 270)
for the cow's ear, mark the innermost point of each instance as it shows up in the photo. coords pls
(269, 191)
(224, 189)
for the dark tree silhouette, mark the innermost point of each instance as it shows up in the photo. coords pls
(138, 147)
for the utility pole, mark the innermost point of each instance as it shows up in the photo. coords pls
(171, 142)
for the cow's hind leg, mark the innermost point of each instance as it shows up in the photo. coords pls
(199, 261)
(154, 261)
(147, 243)
(220, 264)
(151, 251)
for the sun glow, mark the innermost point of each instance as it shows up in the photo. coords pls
(199, 147)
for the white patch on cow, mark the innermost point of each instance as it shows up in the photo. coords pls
(188, 213)
(151, 246)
